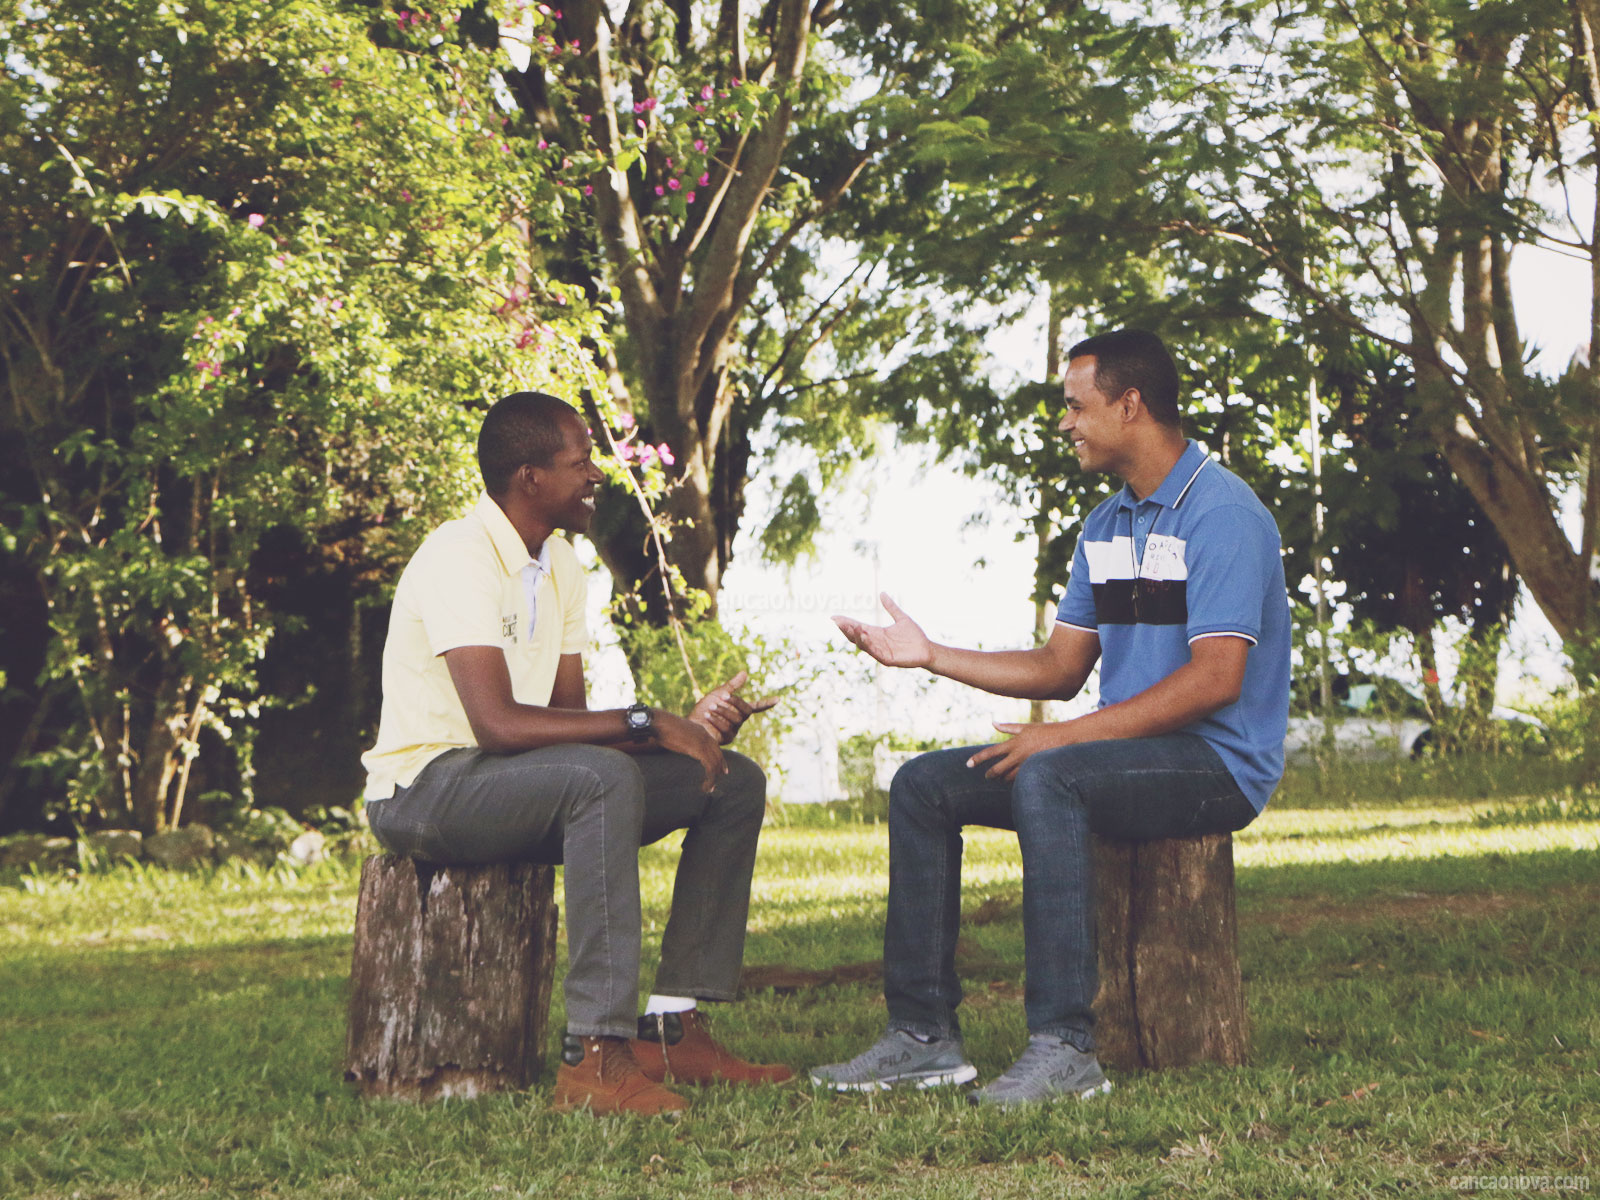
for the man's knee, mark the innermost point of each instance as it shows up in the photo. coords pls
(1043, 782)
(916, 786)
(608, 778)
(745, 784)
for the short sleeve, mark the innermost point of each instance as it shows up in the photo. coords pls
(1077, 606)
(1233, 558)
(455, 593)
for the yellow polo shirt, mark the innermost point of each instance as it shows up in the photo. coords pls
(464, 587)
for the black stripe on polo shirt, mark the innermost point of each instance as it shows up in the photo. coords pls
(1142, 602)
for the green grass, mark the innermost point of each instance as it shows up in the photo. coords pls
(1422, 978)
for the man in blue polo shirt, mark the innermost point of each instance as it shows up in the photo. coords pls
(1177, 591)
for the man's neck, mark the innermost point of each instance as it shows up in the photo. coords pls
(1152, 466)
(533, 532)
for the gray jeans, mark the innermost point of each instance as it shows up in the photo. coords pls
(592, 807)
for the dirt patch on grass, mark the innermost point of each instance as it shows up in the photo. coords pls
(1295, 916)
(1286, 916)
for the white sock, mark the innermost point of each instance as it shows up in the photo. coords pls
(668, 1004)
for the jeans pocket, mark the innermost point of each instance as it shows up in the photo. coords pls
(1221, 814)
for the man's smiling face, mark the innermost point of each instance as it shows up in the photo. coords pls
(568, 484)
(1092, 420)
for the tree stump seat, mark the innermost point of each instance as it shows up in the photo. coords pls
(1171, 994)
(450, 978)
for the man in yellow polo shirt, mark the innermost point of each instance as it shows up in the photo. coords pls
(487, 752)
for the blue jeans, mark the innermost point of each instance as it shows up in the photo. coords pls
(592, 807)
(1137, 789)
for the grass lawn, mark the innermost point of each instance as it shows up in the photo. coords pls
(1422, 974)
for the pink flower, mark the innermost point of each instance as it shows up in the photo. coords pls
(669, 162)
(640, 124)
(336, 305)
(707, 92)
(738, 83)
(256, 220)
(638, 108)
(647, 454)
(588, 189)
(405, 194)
(585, 118)
(545, 9)
(660, 191)
(674, 184)
(665, 452)
(625, 451)
(705, 178)
(338, 83)
(624, 420)
(700, 145)
(543, 145)
(689, 196)
(699, 108)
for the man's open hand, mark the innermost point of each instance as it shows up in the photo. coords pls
(722, 711)
(902, 644)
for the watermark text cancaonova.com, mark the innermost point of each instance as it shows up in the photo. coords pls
(1520, 1182)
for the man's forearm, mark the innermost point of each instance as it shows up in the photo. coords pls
(1023, 674)
(529, 727)
(1189, 694)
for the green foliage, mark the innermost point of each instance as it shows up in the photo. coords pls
(259, 275)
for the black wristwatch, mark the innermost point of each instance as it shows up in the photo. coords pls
(641, 725)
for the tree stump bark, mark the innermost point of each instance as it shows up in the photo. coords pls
(1170, 990)
(450, 979)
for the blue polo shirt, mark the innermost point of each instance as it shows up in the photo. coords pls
(1200, 557)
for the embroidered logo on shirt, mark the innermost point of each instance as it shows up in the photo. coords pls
(508, 627)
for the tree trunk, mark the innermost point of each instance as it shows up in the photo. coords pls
(450, 979)
(1170, 990)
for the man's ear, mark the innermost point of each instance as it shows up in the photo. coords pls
(526, 477)
(1130, 400)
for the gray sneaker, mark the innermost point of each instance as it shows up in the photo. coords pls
(898, 1059)
(1049, 1069)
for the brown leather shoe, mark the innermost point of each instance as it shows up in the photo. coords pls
(600, 1074)
(678, 1046)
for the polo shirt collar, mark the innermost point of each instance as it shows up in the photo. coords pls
(508, 544)
(1176, 485)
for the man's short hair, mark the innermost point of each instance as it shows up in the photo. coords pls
(524, 427)
(1134, 358)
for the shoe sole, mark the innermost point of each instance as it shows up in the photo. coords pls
(965, 1073)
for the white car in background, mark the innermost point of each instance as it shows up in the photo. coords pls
(1360, 732)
